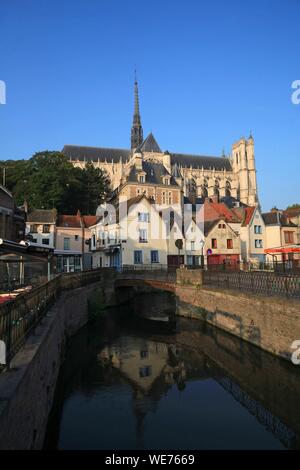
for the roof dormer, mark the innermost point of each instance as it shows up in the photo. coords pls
(141, 176)
(166, 179)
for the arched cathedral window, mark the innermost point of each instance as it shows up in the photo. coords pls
(204, 189)
(216, 188)
(228, 189)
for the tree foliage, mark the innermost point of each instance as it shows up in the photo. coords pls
(294, 206)
(48, 180)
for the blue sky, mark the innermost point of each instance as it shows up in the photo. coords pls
(208, 71)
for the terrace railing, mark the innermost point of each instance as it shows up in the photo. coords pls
(258, 282)
(21, 315)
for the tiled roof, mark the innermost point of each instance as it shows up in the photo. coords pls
(89, 220)
(76, 221)
(150, 144)
(68, 221)
(209, 225)
(185, 160)
(223, 211)
(42, 216)
(277, 218)
(75, 152)
(81, 153)
(248, 213)
(293, 212)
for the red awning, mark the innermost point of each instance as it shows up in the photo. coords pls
(283, 249)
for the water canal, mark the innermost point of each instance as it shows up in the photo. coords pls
(127, 386)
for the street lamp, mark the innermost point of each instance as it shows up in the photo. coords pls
(202, 256)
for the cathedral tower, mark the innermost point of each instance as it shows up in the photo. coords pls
(136, 129)
(243, 164)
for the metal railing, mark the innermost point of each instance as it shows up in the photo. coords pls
(21, 315)
(147, 267)
(159, 272)
(258, 282)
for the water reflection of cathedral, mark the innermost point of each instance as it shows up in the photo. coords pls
(152, 368)
(144, 362)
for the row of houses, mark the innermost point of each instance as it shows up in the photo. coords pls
(67, 235)
(136, 232)
(216, 232)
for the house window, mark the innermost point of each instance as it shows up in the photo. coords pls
(163, 197)
(76, 237)
(229, 243)
(143, 235)
(34, 228)
(166, 181)
(34, 240)
(145, 371)
(189, 260)
(46, 228)
(138, 257)
(144, 354)
(170, 198)
(77, 263)
(257, 229)
(138, 191)
(154, 256)
(45, 241)
(66, 243)
(59, 264)
(143, 217)
(214, 243)
(192, 246)
(258, 243)
(289, 237)
(142, 179)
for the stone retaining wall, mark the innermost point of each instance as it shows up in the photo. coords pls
(27, 390)
(272, 323)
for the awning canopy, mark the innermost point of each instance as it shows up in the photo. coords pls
(283, 249)
(14, 252)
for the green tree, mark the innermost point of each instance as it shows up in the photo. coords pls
(49, 180)
(96, 186)
(294, 206)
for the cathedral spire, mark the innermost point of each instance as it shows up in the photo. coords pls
(136, 129)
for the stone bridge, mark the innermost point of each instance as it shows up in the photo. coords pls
(271, 322)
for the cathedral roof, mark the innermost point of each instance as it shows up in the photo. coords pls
(76, 152)
(187, 160)
(150, 144)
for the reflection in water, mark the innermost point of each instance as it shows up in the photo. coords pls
(124, 388)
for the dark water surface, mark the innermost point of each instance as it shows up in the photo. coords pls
(124, 386)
